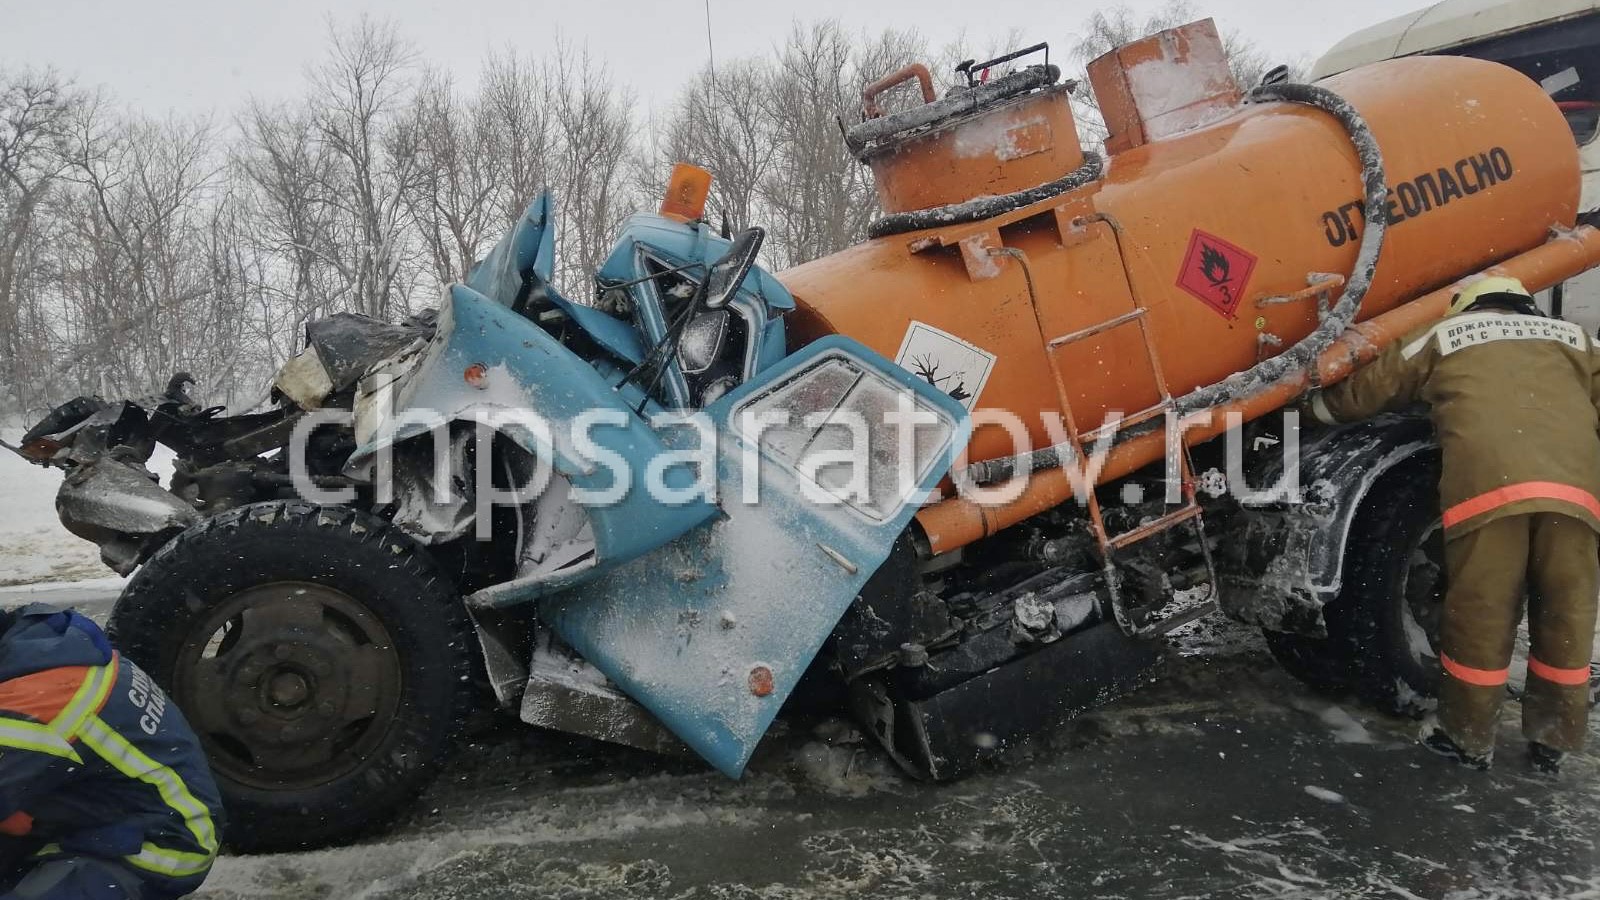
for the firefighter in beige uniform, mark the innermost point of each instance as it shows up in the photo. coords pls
(1512, 396)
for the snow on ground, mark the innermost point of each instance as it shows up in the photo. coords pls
(34, 547)
(1223, 779)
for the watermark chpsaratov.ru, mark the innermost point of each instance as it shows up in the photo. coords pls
(844, 457)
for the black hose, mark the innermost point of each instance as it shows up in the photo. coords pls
(987, 207)
(1375, 190)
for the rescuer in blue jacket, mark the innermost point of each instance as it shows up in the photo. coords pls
(104, 790)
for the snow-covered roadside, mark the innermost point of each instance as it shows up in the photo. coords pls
(33, 545)
(34, 548)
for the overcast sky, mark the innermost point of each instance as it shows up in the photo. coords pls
(200, 55)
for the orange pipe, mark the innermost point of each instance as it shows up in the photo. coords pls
(869, 95)
(957, 521)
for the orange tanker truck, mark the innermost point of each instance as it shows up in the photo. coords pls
(1230, 250)
(1102, 350)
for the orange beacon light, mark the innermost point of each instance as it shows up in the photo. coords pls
(687, 190)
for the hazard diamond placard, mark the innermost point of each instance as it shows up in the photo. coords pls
(1216, 271)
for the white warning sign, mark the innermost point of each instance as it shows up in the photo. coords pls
(945, 361)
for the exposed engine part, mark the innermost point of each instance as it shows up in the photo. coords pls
(891, 613)
(1032, 619)
(223, 462)
(435, 498)
(116, 502)
(347, 344)
(1000, 627)
(305, 380)
(949, 732)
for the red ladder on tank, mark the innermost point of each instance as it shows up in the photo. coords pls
(1187, 512)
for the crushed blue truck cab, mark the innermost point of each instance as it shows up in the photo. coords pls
(705, 610)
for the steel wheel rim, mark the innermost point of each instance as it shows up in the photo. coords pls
(290, 685)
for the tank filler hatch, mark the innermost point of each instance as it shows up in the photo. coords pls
(987, 137)
(1163, 85)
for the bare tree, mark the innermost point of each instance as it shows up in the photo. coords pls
(451, 200)
(283, 169)
(358, 93)
(141, 187)
(34, 109)
(592, 127)
(819, 198)
(515, 106)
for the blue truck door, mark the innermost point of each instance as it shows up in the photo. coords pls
(712, 631)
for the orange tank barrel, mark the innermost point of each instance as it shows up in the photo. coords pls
(957, 521)
(1207, 230)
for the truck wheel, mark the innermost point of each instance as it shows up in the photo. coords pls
(1383, 625)
(320, 656)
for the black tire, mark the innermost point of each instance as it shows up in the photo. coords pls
(1315, 661)
(1382, 626)
(285, 631)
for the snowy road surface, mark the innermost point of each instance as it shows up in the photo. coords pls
(1225, 779)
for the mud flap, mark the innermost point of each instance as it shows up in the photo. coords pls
(712, 631)
(950, 733)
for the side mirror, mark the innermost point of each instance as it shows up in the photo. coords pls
(723, 279)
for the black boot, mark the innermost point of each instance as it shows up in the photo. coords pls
(1544, 758)
(1434, 740)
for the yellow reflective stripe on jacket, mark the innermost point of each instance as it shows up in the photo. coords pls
(89, 698)
(36, 738)
(55, 738)
(172, 863)
(130, 761)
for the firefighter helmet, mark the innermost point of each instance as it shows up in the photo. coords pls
(1484, 287)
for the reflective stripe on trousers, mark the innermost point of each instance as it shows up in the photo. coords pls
(1554, 675)
(1478, 677)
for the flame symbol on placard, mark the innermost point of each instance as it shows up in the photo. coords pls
(1214, 265)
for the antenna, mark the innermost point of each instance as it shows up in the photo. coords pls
(711, 98)
(711, 52)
